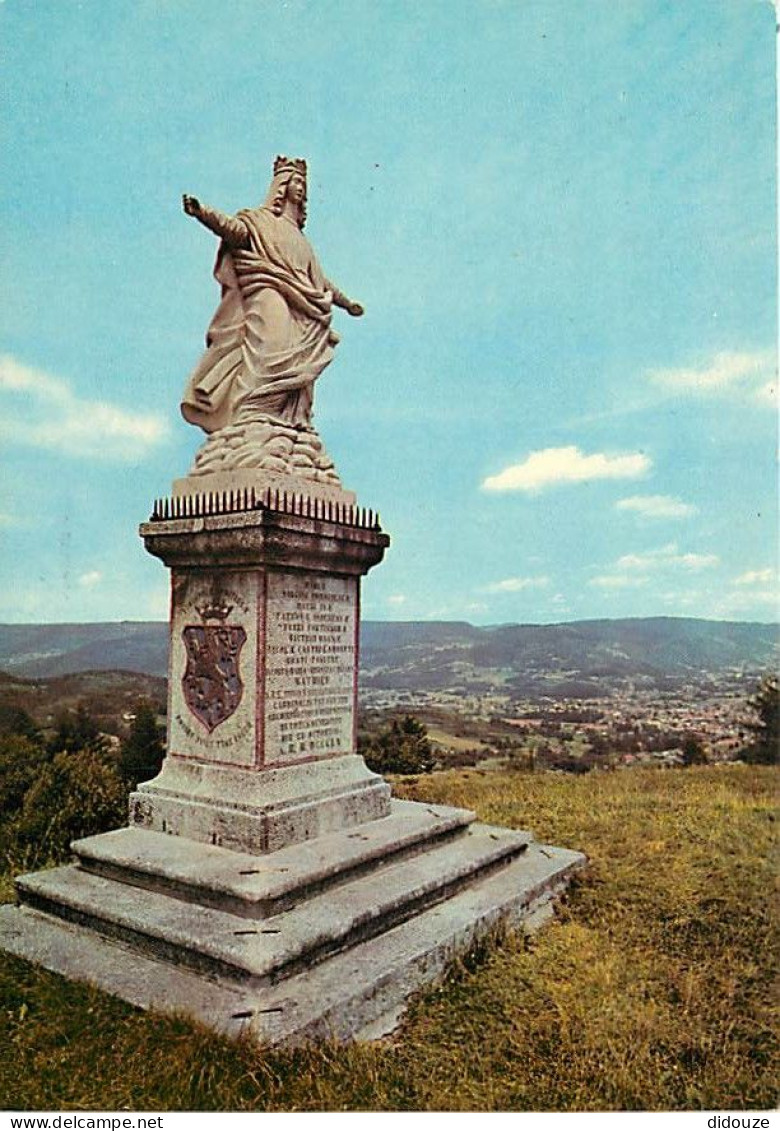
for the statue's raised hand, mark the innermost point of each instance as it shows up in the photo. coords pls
(191, 205)
(355, 309)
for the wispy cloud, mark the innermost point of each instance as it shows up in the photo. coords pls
(756, 577)
(43, 411)
(664, 557)
(634, 570)
(656, 506)
(90, 579)
(726, 372)
(617, 581)
(476, 607)
(516, 584)
(554, 466)
(734, 602)
(396, 599)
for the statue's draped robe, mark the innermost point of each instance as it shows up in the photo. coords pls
(271, 337)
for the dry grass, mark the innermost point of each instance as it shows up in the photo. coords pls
(653, 991)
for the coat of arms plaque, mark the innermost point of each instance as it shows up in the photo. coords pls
(212, 682)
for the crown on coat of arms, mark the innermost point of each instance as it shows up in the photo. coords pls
(289, 164)
(214, 612)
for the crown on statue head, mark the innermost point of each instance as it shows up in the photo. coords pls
(290, 164)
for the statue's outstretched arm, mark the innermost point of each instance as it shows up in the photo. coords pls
(340, 299)
(229, 228)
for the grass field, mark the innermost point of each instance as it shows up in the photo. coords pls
(654, 990)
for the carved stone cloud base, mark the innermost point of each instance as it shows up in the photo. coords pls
(265, 444)
(269, 489)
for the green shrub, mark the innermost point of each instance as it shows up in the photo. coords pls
(21, 761)
(15, 720)
(76, 794)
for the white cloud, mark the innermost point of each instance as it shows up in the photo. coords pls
(746, 602)
(755, 577)
(516, 584)
(566, 465)
(728, 371)
(43, 412)
(617, 581)
(91, 578)
(396, 599)
(560, 604)
(665, 556)
(689, 599)
(633, 570)
(656, 506)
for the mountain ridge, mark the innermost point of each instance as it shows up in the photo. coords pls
(439, 655)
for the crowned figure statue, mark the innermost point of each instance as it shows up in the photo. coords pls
(269, 340)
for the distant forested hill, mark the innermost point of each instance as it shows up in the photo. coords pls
(579, 658)
(61, 649)
(576, 658)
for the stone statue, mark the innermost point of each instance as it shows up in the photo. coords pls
(269, 340)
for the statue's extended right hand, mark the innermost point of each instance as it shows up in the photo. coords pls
(191, 205)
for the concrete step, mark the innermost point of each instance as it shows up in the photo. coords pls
(222, 943)
(359, 990)
(260, 886)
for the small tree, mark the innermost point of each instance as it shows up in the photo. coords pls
(693, 753)
(403, 748)
(765, 747)
(76, 730)
(142, 752)
(15, 720)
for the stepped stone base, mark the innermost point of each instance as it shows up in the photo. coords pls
(325, 938)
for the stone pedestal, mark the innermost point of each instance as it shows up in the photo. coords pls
(266, 882)
(262, 688)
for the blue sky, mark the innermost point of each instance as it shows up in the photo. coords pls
(560, 217)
